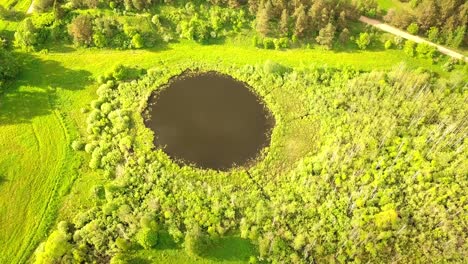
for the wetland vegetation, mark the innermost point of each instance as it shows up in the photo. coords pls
(231, 132)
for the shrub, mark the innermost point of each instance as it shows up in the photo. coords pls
(137, 41)
(255, 41)
(272, 67)
(100, 40)
(425, 50)
(433, 34)
(450, 64)
(398, 41)
(122, 72)
(413, 28)
(388, 44)
(326, 36)
(409, 48)
(195, 243)
(55, 247)
(78, 145)
(118, 259)
(268, 43)
(147, 238)
(386, 218)
(284, 43)
(363, 41)
(26, 35)
(344, 36)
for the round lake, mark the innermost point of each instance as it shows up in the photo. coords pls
(210, 120)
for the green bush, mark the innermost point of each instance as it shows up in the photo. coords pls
(413, 28)
(433, 34)
(196, 243)
(122, 72)
(409, 48)
(425, 50)
(388, 44)
(272, 67)
(364, 40)
(137, 41)
(268, 43)
(100, 40)
(26, 35)
(147, 238)
(78, 145)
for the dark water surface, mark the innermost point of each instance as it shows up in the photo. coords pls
(209, 119)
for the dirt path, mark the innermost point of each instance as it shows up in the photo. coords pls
(31, 8)
(382, 26)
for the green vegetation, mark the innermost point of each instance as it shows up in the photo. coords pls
(367, 161)
(443, 22)
(147, 176)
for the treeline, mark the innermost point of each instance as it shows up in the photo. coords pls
(443, 22)
(285, 22)
(384, 177)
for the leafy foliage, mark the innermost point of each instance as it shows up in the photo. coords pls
(383, 168)
(364, 40)
(9, 66)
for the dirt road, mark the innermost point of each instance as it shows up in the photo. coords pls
(382, 26)
(31, 8)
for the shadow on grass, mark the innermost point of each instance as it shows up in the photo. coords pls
(231, 248)
(2, 179)
(33, 93)
(138, 260)
(166, 241)
(62, 48)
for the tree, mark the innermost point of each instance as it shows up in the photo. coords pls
(26, 35)
(139, 4)
(427, 14)
(284, 23)
(301, 21)
(326, 36)
(363, 41)
(342, 23)
(400, 19)
(233, 3)
(56, 246)
(147, 238)
(43, 5)
(81, 30)
(433, 34)
(264, 16)
(344, 36)
(58, 11)
(458, 37)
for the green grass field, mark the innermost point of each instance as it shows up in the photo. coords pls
(387, 4)
(40, 116)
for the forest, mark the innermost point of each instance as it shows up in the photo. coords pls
(366, 158)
